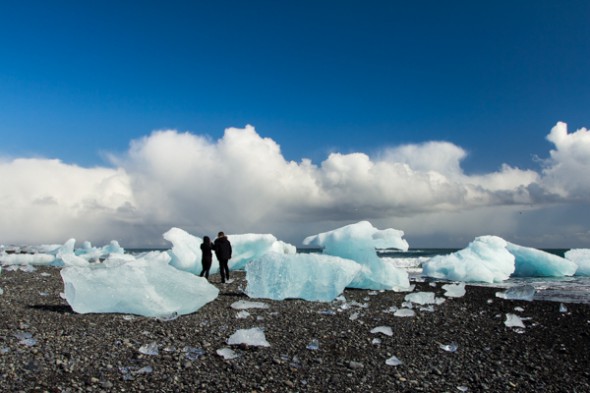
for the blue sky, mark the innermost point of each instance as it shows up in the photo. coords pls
(81, 80)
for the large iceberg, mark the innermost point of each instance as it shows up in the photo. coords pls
(581, 257)
(493, 259)
(311, 277)
(186, 250)
(358, 242)
(530, 262)
(146, 286)
(484, 260)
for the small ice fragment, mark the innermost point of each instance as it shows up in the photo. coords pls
(404, 312)
(440, 300)
(242, 314)
(522, 292)
(407, 305)
(168, 317)
(452, 347)
(513, 320)
(393, 361)
(430, 308)
(376, 341)
(29, 342)
(253, 336)
(562, 308)
(314, 345)
(44, 294)
(490, 301)
(518, 309)
(327, 312)
(62, 295)
(193, 353)
(462, 388)
(391, 309)
(149, 349)
(144, 370)
(432, 284)
(227, 353)
(244, 305)
(129, 317)
(383, 329)
(454, 290)
(23, 335)
(44, 274)
(1, 291)
(354, 316)
(373, 293)
(421, 298)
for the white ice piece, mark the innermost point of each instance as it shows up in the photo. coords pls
(244, 305)
(148, 286)
(513, 320)
(421, 298)
(227, 353)
(383, 330)
(581, 257)
(253, 336)
(485, 259)
(358, 242)
(520, 292)
(454, 290)
(313, 277)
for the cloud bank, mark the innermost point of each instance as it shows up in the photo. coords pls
(241, 183)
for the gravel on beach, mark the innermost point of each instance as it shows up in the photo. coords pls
(314, 346)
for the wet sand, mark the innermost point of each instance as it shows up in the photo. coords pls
(101, 352)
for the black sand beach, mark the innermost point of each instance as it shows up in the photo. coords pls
(100, 352)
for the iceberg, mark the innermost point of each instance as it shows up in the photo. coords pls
(358, 242)
(492, 259)
(485, 260)
(530, 262)
(581, 257)
(311, 277)
(186, 250)
(146, 286)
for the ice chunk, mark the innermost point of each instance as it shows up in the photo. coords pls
(247, 247)
(253, 336)
(148, 286)
(27, 259)
(243, 314)
(581, 257)
(513, 320)
(530, 262)
(393, 361)
(357, 242)
(485, 260)
(562, 308)
(311, 277)
(452, 347)
(313, 345)
(227, 353)
(383, 330)
(193, 353)
(149, 349)
(186, 250)
(421, 298)
(521, 292)
(404, 313)
(454, 290)
(244, 305)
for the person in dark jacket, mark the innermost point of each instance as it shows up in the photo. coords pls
(206, 256)
(223, 251)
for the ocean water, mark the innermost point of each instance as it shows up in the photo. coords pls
(558, 289)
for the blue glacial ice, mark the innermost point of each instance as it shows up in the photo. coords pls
(492, 259)
(146, 286)
(530, 262)
(581, 257)
(358, 242)
(186, 250)
(311, 277)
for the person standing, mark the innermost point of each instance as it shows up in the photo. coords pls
(223, 252)
(206, 256)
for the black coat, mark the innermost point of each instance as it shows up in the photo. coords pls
(207, 256)
(222, 248)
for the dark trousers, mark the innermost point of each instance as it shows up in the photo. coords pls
(223, 270)
(206, 267)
